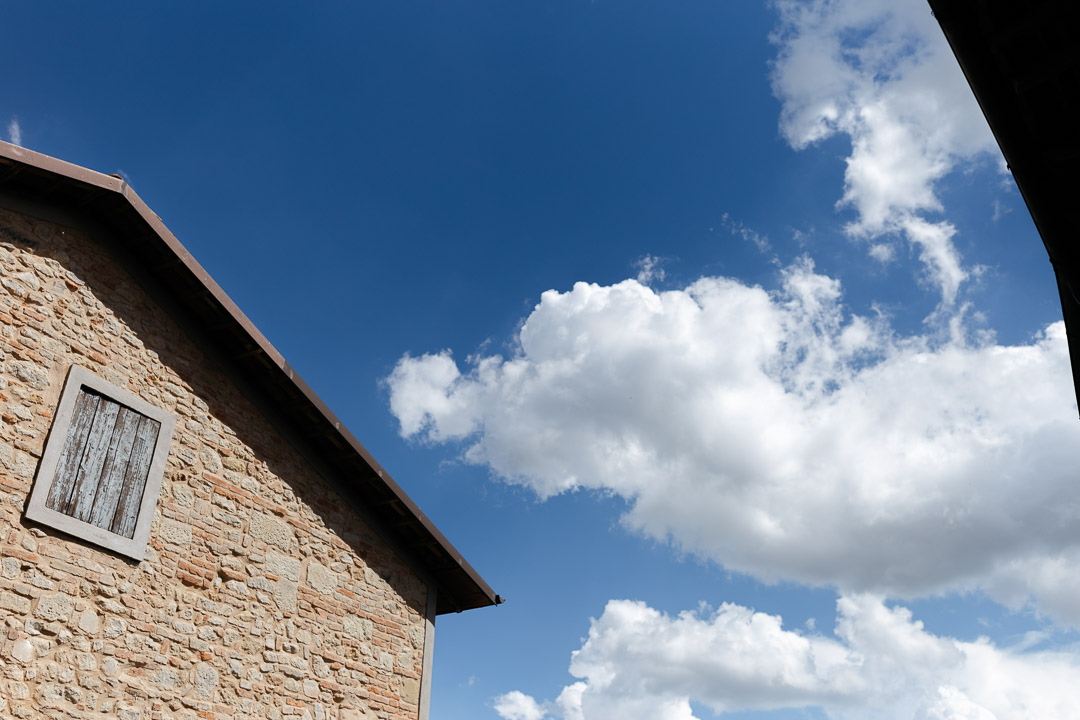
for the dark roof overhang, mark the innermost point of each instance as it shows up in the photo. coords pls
(1021, 60)
(140, 235)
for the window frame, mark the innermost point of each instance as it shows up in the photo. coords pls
(36, 510)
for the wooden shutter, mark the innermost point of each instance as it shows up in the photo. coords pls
(104, 464)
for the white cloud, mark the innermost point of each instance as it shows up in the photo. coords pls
(938, 254)
(518, 706)
(1000, 210)
(882, 252)
(650, 269)
(641, 663)
(781, 437)
(772, 432)
(881, 72)
(737, 228)
(14, 132)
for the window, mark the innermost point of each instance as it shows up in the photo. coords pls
(101, 470)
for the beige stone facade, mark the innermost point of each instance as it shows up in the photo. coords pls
(262, 594)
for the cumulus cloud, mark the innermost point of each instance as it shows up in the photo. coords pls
(516, 705)
(781, 436)
(776, 433)
(14, 132)
(881, 73)
(772, 431)
(881, 663)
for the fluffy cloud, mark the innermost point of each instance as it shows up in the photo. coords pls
(881, 73)
(516, 705)
(781, 437)
(770, 431)
(640, 663)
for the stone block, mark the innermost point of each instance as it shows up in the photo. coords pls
(271, 531)
(416, 636)
(114, 627)
(285, 596)
(50, 696)
(167, 678)
(28, 279)
(89, 622)
(29, 373)
(283, 566)
(359, 628)
(55, 607)
(23, 651)
(410, 690)
(211, 460)
(14, 603)
(206, 680)
(184, 495)
(320, 579)
(175, 533)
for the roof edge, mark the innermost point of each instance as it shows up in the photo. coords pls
(116, 185)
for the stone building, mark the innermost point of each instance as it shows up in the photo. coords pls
(186, 531)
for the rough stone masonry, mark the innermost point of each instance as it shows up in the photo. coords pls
(262, 594)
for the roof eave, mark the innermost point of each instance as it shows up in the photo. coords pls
(1020, 62)
(460, 587)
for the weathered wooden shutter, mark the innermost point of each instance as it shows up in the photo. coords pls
(103, 466)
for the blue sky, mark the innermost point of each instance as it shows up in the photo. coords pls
(714, 334)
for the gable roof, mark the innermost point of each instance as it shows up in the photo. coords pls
(1021, 62)
(137, 234)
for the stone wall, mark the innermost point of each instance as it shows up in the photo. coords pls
(261, 595)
